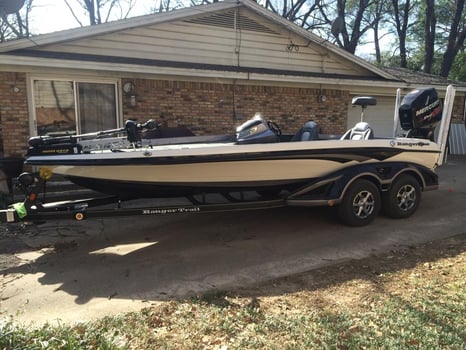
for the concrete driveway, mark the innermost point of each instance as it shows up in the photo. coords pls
(72, 271)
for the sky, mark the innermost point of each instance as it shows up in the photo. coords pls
(53, 15)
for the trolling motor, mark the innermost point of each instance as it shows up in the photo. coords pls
(133, 130)
(100, 140)
(420, 113)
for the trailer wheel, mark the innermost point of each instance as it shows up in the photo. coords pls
(361, 203)
(403, 198)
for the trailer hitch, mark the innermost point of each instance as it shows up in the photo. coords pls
(30, 185)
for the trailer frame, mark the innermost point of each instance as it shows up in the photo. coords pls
(330, 191)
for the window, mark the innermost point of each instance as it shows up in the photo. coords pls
(70, 107)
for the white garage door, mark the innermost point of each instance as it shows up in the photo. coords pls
(380, 116)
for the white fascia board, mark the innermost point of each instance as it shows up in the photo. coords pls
(20, 63)
(322, 80)
(27, 64)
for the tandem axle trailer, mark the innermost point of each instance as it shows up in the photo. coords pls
(359, 192)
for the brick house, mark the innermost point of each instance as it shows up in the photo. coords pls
(207, 67)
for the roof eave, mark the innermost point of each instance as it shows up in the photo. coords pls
(314, 38)
(27, 63)
(110, 27)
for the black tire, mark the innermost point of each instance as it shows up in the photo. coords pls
(361, 203)
(403, 198)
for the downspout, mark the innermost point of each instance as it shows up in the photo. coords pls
(237, 28)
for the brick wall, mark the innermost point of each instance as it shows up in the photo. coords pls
(205, 108)
(458, 110)
(13, 114)
(210, 108)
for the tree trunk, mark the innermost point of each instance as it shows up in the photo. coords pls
(401, 17)
(378, 55)
(456, 40)
(91, 10)
(429, 41)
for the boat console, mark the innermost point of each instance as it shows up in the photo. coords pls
(257, 130)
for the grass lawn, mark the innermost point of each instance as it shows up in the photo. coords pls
(411, 298)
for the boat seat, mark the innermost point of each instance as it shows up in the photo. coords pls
(361, 131)
(364, 101)
(308, 132)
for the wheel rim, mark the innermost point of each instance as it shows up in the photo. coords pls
(363, 204)
(406, 197)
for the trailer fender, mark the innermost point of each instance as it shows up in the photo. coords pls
(382, 175)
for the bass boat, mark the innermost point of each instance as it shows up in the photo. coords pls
(356, 172)
(258, 157)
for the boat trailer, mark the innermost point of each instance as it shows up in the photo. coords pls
(35, 209)
(91, 208)
(359, 192)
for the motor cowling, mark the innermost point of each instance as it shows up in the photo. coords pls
(255, 130)
(420, 112)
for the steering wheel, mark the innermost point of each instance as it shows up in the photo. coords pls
(274, 127)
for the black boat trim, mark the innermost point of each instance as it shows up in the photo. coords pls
(341, 155)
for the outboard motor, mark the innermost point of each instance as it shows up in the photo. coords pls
(420, 113)
(256, 130)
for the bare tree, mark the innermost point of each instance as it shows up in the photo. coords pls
(402, 20)
(456, 36)
(351, 23)
(14, 20)
(168, 5)
(377, 15)
(430, 26)
(100, 11)
(302, 12)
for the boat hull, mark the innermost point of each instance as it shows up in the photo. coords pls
(187, 169)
